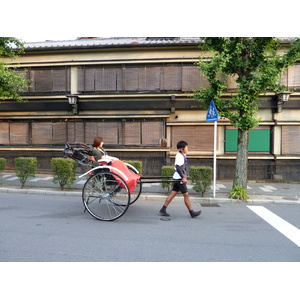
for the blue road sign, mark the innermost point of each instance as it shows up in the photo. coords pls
(212, 113)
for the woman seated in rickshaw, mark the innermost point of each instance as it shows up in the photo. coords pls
(99, 152)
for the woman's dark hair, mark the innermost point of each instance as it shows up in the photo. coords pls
(97, 141)
(181, 145)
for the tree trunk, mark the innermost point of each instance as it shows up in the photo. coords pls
(241, 168)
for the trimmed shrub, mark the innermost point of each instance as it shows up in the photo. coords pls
(63, 170)
(135, 163)
(201, 178)
(167, 171)
(25, 167)
(2, 164)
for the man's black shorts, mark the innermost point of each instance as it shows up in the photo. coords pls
(179, 186)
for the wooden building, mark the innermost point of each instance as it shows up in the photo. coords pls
(136, 94)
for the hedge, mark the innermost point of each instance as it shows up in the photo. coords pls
(63, 170)
(167, 171)
(25, 167)
(2, 164)
(201, 178)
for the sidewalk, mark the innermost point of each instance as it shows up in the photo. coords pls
(259, 192)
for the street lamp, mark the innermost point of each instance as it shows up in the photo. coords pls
(73, 99)
(282, 97)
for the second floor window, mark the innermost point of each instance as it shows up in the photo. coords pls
(48, 80)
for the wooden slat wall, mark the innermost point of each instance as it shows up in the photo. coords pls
(140, 78)
(4, 133)
(41, 80)
(49, 80)
(42, 133)
(192, 78)
(152, 132)
(131, 79)
(107, 79)
(291, 77)
(60, 80)
(290, 140)
(57, 133)
(172, 77)
(152, 78)
(109, 131)
(198, 137)
(75, 132)
(131, 133)
(19, 133)
(179, 77)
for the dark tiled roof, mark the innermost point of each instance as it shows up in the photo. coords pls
(112, 42)
(115, 42)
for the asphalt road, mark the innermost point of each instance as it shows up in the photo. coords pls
(48, 228)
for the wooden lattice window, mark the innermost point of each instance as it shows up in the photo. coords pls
(59, 132)
(198, 137)
(109, 131)
(172, 77)
(75, 132)
(131, 133)
(192, 78)
(49, 80)
(291, 77)
(14, 133)
(290, 140)
(135, 78)
(152, 132)
(19, 133)
(4, 133)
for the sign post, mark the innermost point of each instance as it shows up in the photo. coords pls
(213, 116)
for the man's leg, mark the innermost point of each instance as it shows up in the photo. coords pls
(167, 202)
(170, 198)
(188, 204)
(187, 201)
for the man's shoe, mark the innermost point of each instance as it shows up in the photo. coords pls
(195, 214)
(164, 213)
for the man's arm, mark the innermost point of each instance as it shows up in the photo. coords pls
(181, 173)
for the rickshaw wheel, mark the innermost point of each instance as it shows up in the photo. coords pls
(106, 196)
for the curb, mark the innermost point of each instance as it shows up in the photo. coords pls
(40, 192)
(158, 197)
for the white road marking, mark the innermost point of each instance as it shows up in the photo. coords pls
(287, 229)
(271, 187)
(221, 186)
(81, 182)
(47, 178)
(212, 187)
(13, 178)
(265, 189)
(6, 175)
(40, 178)
(35, 179)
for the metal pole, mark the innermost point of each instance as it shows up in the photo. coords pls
(215, 157)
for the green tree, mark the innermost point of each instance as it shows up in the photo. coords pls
(11, 82)
(256, 66)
